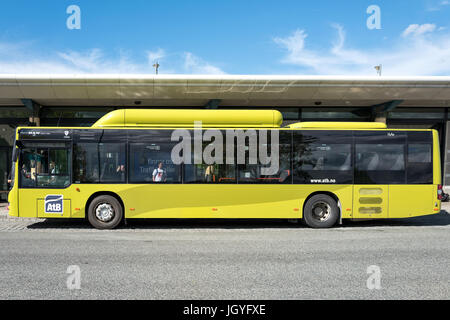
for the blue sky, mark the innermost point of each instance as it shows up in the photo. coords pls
(233, 37)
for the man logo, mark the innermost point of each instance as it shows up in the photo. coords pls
(53, 204)
(66, 133)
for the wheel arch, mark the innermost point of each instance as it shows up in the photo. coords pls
(328, 193)
(103, 193)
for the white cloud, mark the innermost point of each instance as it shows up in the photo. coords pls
(195, 65)
(26, 58)
(154, 56)
(418, 30)
(413, 55)
(437, 5)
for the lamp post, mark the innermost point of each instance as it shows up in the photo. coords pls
(379, 68)
(156, 66)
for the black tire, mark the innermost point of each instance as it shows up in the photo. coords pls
(107, 202)
(320, 211)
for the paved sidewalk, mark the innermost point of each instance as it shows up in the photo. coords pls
(14, 223)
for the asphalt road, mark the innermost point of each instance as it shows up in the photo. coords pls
(185, 259)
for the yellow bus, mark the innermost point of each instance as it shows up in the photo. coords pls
(223, 164)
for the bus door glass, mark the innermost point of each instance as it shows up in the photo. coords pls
(418, 196)
(379, 162)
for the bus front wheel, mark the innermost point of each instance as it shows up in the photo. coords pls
(105, 212)
(320, 211)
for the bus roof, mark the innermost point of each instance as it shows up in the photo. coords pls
(338, 125)
(188, 118)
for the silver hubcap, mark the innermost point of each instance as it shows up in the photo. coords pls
(104, 212)
(321, 211)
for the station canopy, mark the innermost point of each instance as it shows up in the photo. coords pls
(226, 90)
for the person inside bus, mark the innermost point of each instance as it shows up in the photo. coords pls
(209, 173)
(120, 171)
(33, 169)
(25, 171)
(41, 161)
(52, 167)
(159, 174)
(26, 177)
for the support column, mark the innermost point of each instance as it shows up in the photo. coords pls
(35, 111)
(379, 111)
(213, 104)
(380, 117)
(35, 120)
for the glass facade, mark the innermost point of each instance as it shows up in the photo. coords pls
(14, 113)
(417, 113)
(74, 116)
(6, 141)
(342, 114)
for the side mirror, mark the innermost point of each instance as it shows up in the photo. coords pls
(15, 154)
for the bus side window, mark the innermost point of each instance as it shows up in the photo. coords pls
(278, 170)
(420, 164)
(112, 162)
(85, 163)
(420, 158)
(323, 157)
(145, 160)
(27, 164)
(380, 158)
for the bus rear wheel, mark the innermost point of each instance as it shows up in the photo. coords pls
(105, 212)
(320, 211)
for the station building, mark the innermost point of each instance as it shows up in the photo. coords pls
(80, 100)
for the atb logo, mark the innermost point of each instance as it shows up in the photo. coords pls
(54, 204)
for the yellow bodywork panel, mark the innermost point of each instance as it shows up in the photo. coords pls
(189, 201)
(411, 200)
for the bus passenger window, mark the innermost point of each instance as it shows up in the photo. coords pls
(379, 163)
(420, 164)
(27, 174)
(277, 170)
(85, 163)
(112, 162)
(323, 157)
(152, 163)
(209, 173)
